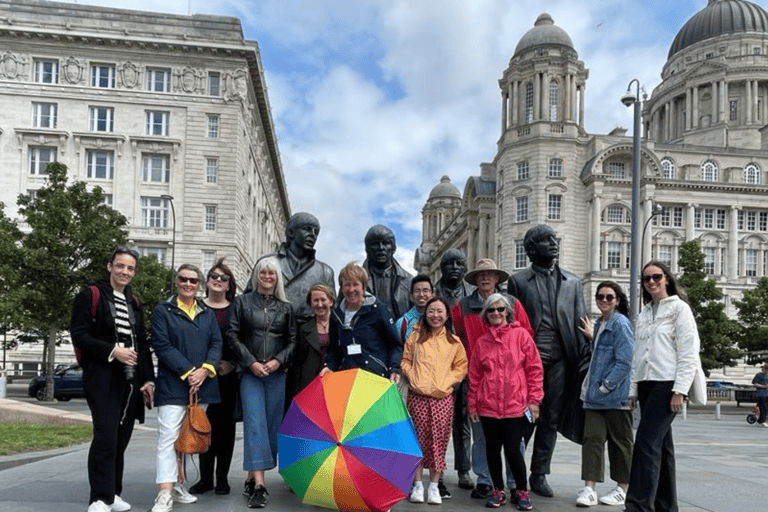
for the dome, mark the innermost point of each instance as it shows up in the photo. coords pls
(720, 17)
(543, 33)
(445, 189)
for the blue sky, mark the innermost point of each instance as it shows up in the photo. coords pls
(380, 98)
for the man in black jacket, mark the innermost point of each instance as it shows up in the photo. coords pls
(108, 331)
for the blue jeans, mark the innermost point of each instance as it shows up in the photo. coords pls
(263, 404)
(480, 462)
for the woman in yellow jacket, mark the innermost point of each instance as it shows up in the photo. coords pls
(434, 361)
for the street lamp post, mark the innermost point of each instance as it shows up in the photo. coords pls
(634, 261)
(169, 198)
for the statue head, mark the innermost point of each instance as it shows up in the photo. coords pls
(541, 245)
(380, 246)
(301, 233)
(453, 267)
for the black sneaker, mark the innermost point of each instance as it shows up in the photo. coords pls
(249, 487)
(259, 498)
(444, 492)
(481, 491)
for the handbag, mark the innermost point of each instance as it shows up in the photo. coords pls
(195, 434)
(698, 392)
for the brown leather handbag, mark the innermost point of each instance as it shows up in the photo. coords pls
(195, 434)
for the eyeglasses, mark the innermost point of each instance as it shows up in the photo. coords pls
(192, 280)
(497, 310)
(606, 298)
(656, 278)
(224, 278)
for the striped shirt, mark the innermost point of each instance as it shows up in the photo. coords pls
(122, 321)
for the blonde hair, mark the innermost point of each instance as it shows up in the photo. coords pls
(272, 264)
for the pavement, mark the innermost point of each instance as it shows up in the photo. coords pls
(721, 467)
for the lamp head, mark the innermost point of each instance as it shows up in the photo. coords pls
(628, 99)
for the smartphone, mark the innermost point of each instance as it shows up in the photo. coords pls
(529, 415)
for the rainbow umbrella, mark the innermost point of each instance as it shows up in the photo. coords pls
(348, 443)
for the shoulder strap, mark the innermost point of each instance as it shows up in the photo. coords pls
(403, 328)
(95, 295)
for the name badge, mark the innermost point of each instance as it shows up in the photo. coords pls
(354, 349)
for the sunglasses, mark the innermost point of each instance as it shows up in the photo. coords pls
(656, 278)
(497, 310)
(192, 280)
(606, 298)
(224, 278)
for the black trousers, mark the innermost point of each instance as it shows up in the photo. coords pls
(222, 418)
(762, 405)
(545, 435)
(113, 404)
(652, 483)
(506, 432)
(462, 430)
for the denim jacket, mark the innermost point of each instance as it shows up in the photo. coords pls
(608, 381)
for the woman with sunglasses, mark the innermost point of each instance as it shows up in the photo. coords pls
(262, 335)
(505, 389)
(605, 396)
(220, 289)
(665, 362)
(187, 342)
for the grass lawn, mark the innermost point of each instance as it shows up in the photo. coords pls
(19, 437)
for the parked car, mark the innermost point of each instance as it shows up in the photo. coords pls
(67, 384)
(721, 384)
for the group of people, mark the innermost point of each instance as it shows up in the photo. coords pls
(491, 369)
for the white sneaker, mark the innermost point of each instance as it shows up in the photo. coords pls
(417, 493)
(586, 498)
(120, 505)
(764, 424)
(98, 506)
(180, 494)
(433, 495)
(615, 497)
(163, 502)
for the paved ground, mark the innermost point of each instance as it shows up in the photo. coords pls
(721, 467)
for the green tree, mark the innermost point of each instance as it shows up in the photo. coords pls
(716, 330)
(68, 235)
(151, 284)
(753, 317)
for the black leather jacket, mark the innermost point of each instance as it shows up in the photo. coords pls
(260, 329)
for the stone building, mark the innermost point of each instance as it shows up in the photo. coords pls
(168, 114)
(704, 160)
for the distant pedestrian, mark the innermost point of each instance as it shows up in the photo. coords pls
(761, 383)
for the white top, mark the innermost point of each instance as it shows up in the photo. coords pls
(666, 345)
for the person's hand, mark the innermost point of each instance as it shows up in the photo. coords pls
(126, 355)
(196, 379)
(632, 402)
(259, 369)
(394, 377)
(272, 365)
(586, 326)
(325, 370)
(148, 391)
(225, 367)
(474, 417)
(676, 404)
(534, 411)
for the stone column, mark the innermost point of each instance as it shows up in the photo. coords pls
(567, 94)
(647, 240)
(690, 209)
(545, 96)
(594, 257)
(724, 108)
(715, 100)
(695, 108)
(581, 104)
(511, 101)
(536, 96)
(482, 251)
(515, 102)
(688, 109)
(733, 243)
(504, 106)
(755, 97)
(471, 241)
(748, 101)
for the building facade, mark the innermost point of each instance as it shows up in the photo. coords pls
(168, 114)
(704, 160)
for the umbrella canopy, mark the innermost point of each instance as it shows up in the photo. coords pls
(348, 443)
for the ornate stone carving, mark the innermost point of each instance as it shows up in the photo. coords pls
(189, 79)
(72, 70)
(236, 85)
(129, 74)
(12, 65)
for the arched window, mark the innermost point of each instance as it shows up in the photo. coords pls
(553, 100)
(529, 102)
(668, 168)
(752, 174)
(709, 171)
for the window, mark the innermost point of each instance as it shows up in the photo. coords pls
(720, 219)
(39, 158)
(158, 252)
(210, 217)
(709, 218)
(44, 115)
(614, 214)
(158, 80)
(613, 255)
(763, 221)
(617, 170)
(522, 170)
(214, 83)
(741, 219)
(521, 257)
(751, 221)
(697, 217)
(101, 119)
(521, 209)
(750, 262)
(553, 100)
(154, 212)
(709, 259)
(555, 168)
(554, 207)
(677, 217)
(665, 255)
(46, 71)
(106, 199)
(213, 126)
(157, 122)
(156, 168)
(668, 168)
(211, 170)
(733, 110)
(529, 102)
(752, 174)
(103, 76)
(709, 171)
(209, 257)
(99, 165)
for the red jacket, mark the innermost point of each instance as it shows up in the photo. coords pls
(505, 374)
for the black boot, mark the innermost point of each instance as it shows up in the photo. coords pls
(540, 486)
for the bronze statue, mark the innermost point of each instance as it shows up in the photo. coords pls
(389, 282)
(451, 286)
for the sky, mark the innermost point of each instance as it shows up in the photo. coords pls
(374, 100)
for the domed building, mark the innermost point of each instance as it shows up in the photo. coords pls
(704, 160)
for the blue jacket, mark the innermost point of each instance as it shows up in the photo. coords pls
(607, 385)
(182, 344)
(373, 328)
